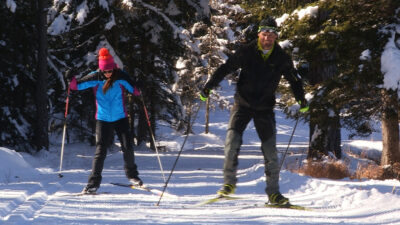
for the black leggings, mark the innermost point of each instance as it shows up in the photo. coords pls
(104, 134)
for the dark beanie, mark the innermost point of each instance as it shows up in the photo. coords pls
(268, 23)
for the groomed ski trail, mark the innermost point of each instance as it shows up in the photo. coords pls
(198, 175)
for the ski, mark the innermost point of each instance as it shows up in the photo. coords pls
(287, 206)
(217, 199)
(227, 197)
(141, 188)
(86, 194)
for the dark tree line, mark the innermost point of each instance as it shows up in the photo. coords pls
(44, 39)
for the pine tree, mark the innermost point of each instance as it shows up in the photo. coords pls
(328, 44)
(348, 29)
(41, 99)
(18, 41)
(145, 36)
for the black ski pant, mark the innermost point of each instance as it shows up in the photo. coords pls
(264, 121)
(104, 132)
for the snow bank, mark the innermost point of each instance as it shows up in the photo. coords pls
(13, 166)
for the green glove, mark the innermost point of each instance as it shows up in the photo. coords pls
(304, 106)
(204, 94)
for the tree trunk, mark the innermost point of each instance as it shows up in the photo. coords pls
(390, 128)
(142, 128)
(325, 134)
(211, 34)
(324, 117)
(41, 98)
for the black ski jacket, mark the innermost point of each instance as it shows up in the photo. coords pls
(258, 79)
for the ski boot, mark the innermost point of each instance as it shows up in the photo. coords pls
(278, 199)
(227, 189)
(89, 190)
(136, 181)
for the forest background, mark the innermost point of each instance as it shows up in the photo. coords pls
(339, 47)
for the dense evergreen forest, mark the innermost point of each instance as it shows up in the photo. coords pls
(172, 46)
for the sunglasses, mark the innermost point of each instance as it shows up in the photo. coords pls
(107, 71)
(267, 29)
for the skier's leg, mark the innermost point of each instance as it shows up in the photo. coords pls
(266, 129)
(238, 121)
(103, 133)
(124, 134)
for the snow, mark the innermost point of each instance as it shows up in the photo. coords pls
(365, 55)
(172, 9)
(311, 11)
(13, 166)
(390, 65)
(285, 44)
(11, 5)
(32, 193)
(82, 11)
(59, 25)
(111, 23)
(281, 19)
(104, 4)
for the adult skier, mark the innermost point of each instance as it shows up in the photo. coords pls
(109, 84)
(262, 63)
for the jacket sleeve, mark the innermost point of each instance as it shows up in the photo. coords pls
(295, 81)
(127, 81)
(89, 81)
(232, 64)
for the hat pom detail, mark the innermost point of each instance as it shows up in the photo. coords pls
(106, 61)
(104, 54)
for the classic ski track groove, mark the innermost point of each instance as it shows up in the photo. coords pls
(31, 202)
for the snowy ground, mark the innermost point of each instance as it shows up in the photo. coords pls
(32, 193)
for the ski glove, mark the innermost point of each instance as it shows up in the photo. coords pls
(303, 106)
(73, 85)
(136, 91)
(204, 94)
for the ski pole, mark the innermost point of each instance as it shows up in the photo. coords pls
(152, 137)
(290, 140)
(190, 124)
(64, 131)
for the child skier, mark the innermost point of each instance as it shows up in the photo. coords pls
(109, 83)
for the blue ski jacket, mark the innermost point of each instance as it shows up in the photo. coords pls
(110, 106)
